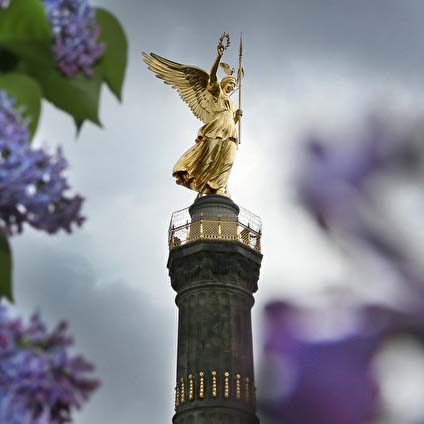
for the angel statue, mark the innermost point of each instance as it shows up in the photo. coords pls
(206, 166)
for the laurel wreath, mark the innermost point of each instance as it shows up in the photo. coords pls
(225, 37)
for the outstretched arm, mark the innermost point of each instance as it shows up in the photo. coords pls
(214, 69)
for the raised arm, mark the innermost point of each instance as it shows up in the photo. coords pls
(213, 85)
(214, 69)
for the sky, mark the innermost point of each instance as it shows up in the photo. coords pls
(310, 65)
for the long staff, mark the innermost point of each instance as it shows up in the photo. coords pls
(240, 74)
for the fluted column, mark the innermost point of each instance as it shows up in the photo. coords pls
(214, 281)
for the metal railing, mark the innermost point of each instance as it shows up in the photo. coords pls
(247, 230)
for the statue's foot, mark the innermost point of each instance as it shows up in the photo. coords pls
(223, 192)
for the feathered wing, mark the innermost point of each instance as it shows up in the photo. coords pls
(191, 82)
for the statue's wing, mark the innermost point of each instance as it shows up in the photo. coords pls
(191, 82)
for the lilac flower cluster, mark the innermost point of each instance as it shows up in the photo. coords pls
(336, 177)
(75, 35)
(40, 383)
(339, 188)
(329, 380)
(318, 381)
(333, 379)
(4, 4)
(32, 185)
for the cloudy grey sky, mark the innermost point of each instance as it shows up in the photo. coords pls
(310, 64)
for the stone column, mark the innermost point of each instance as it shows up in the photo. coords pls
(214, 280)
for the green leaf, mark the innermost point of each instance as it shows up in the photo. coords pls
(78, 124)
(32, 42)
(8, 61)
(24, 20)
(114, 61)
(79, 96)
(27, 93)
(5, 269)
(25, 31)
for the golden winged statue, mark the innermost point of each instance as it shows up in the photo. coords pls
(206, 166)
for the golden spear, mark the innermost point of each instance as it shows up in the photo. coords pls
(240, 74)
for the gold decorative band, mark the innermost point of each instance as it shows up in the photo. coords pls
(202, 385)
(191, 387)
(182, 390)
(227, 385)
(177, 397)
(214, 385)
(238, 390)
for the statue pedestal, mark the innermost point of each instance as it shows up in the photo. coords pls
(215, 279)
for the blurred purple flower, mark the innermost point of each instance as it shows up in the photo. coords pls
(40, 382)
(32, 185)
(4, 4)
(337, 189)
(335, 178)
(331, 381)
(75, 35)
(328, 381)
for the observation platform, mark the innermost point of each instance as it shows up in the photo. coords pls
(215, 217)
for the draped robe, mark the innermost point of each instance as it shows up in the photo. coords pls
(206, 166)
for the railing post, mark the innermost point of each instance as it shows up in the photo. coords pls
(258, 246)
(188, 231)
(201, 225)
(171, 239)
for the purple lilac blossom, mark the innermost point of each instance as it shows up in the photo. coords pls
(334, 187)
(75, 36)
(337, 189)
(329, 380)
(32, 185)
(40, 381)
(335, 178)
(323, 381)
(4, 4)
(332, 380)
